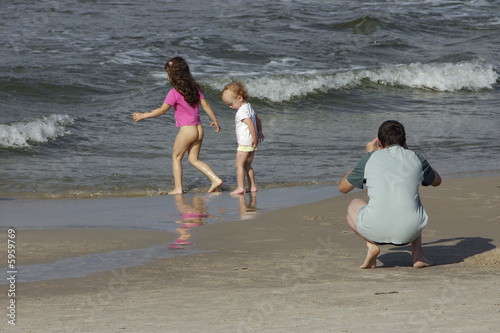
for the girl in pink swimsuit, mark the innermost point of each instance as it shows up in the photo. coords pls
(185, 98)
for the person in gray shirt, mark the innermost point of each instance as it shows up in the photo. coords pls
(394, 214)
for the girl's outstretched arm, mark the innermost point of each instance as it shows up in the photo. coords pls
(208, 109)
(151, 114)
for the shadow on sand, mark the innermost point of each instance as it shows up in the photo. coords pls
(441, 252)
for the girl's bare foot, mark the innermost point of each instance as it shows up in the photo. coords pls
(371, 256)
(252, 189)
(215, 185)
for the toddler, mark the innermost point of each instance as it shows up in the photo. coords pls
(248, 133)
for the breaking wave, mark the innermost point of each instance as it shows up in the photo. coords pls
(24, 134)
(472, 76)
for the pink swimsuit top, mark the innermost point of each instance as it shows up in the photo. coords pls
(185, 114)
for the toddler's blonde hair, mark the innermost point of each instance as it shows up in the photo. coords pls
(237, 88)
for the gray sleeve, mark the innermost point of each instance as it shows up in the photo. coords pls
(357, 176)
(429, 173)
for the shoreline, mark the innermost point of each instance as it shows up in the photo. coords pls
(153, 213)
(290, 269)
(149, 193)
(111, 212)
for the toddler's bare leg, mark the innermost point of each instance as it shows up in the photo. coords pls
(241, 157)
(250, 173)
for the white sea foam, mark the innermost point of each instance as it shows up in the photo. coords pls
(473, 76)
(37, 130)
(436, 76)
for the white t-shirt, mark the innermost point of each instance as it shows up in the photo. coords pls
(242, 132)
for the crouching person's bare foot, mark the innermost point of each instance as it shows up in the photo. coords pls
(371, 256)
(422, 262)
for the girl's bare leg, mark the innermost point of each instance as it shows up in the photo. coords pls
(183, 141)
(373, 249)
(241, 158)
(193, 156)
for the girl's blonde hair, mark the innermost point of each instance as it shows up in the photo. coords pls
(237, 88)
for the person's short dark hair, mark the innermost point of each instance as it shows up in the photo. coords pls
(391, 132)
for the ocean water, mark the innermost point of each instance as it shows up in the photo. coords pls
(323, 75)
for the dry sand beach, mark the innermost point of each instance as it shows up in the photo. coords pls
(289, 270)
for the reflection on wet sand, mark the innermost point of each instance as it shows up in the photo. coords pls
(247, 210)
(193, 214)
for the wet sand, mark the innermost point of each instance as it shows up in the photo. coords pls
(290, 270)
